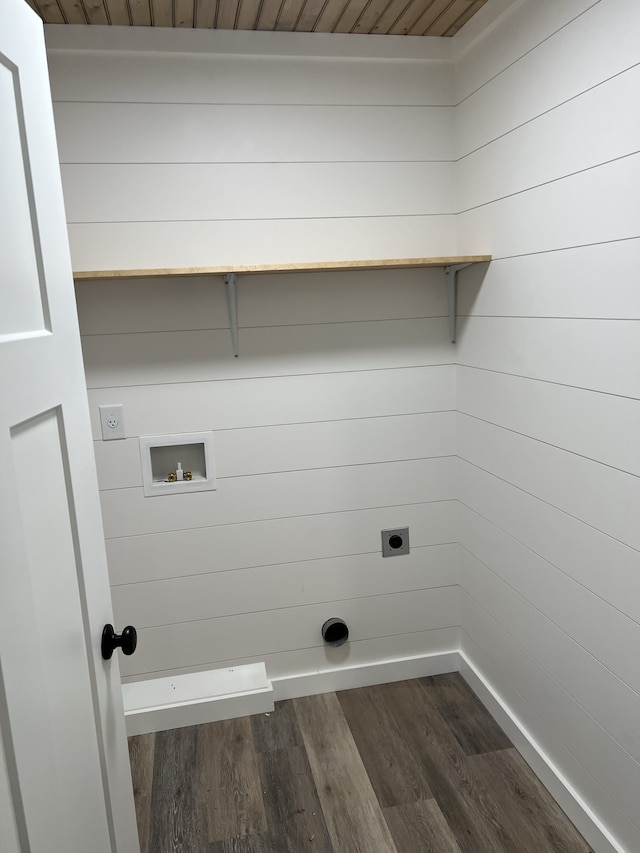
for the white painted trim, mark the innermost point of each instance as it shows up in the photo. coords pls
(364, 675)
(249, 43)
(156, 704)
(551, 777)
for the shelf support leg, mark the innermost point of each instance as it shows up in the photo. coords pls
(232, 304)
(451, 278)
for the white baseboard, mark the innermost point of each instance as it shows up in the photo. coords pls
(364, 674)
(156, 704)
(585, 820)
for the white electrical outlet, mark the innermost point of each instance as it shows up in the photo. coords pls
(112, 422)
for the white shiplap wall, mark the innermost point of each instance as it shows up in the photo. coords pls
(199, 148)
(548, 393)
(338, 418)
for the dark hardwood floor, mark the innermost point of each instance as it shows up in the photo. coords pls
(411, 767)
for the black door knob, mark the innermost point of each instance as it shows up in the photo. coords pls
(127, 641)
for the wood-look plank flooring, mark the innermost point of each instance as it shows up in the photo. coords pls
(410, 767)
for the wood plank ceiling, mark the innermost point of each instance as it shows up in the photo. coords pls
(377, 17)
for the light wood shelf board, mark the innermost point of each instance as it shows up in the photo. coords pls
(256, 269)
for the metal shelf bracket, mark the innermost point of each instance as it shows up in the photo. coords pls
(232, 304)
(451, 277)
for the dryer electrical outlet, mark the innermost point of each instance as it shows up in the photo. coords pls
(112, 422)
(395, 542)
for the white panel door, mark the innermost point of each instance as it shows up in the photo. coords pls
(65, 785)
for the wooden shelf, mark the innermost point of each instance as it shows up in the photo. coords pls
(451, 266)
(256, 269)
